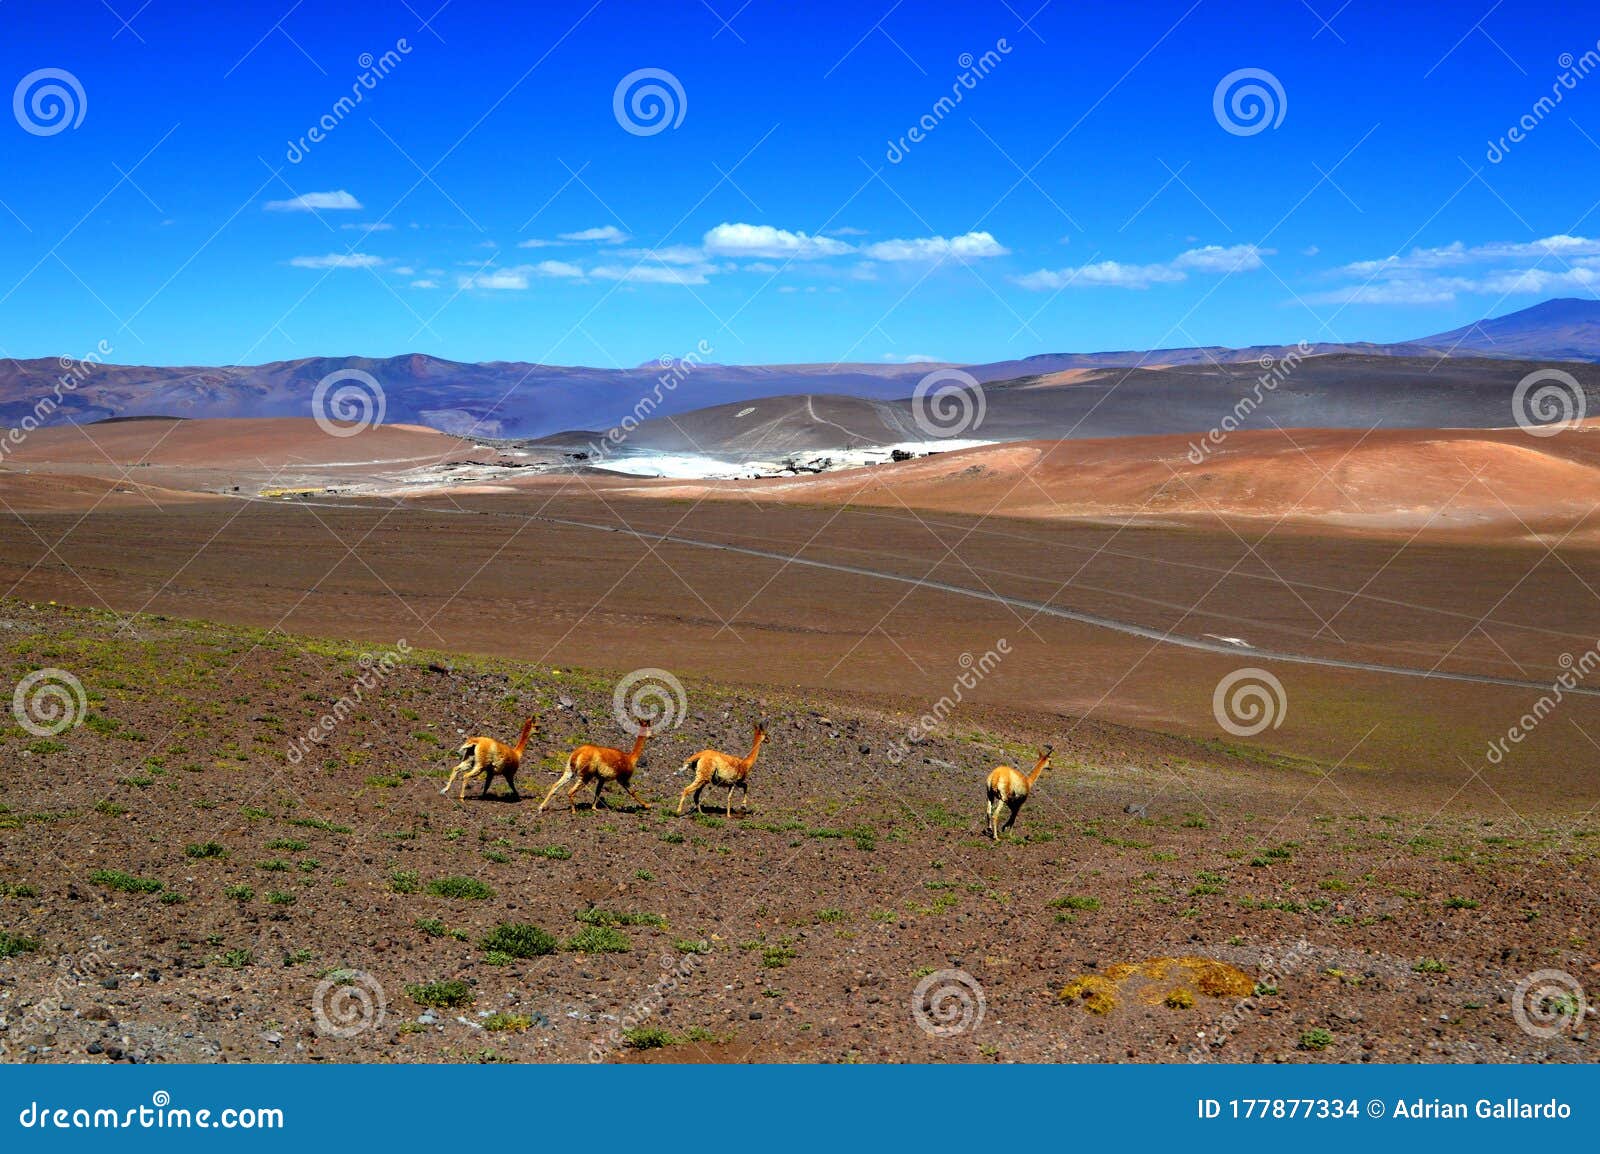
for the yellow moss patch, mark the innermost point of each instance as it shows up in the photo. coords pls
(1098, 994)
(1160, 981)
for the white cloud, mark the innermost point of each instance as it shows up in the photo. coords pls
(670, 254)
(338, 260)
(403, 270)
(1103, 273)
(1416, 293)
(652, 274)
(375, 226)
(606, 234)
(911, 359)
(316, 202)
(517, 277)
(763, 240)
(424, 284)
(1213, 259)
(500, 278)
(1435, 275)
(558, 268)
(968, 246)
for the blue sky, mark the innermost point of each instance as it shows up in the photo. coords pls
(483, 200)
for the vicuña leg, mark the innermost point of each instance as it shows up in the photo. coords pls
(461, 766)
(561, 781)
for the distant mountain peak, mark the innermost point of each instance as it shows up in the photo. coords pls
(1560, 329)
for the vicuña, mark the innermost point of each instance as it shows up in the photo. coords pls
(484, 757)
(601, 765)
(713, 767)
(1008, 788)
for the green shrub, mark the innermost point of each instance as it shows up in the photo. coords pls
(126, 882)
(205, 849)
(600, 917)
(599, 940)
(519, 939)
(504, 1022)
(448, 994)
(1074, 902)
(460, 887)
(13, 944)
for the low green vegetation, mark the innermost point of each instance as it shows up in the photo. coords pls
(518, 940)
(13, 944)
(446, 995)
(599, 940)
(460, 887)
(602, 917)
(125, 882)
(1076, 902)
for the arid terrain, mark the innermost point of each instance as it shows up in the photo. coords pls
(178, 888)
(1370, 873)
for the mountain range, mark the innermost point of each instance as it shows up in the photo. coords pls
(1461, 378)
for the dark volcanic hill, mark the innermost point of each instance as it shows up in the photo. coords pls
(1341, 390)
